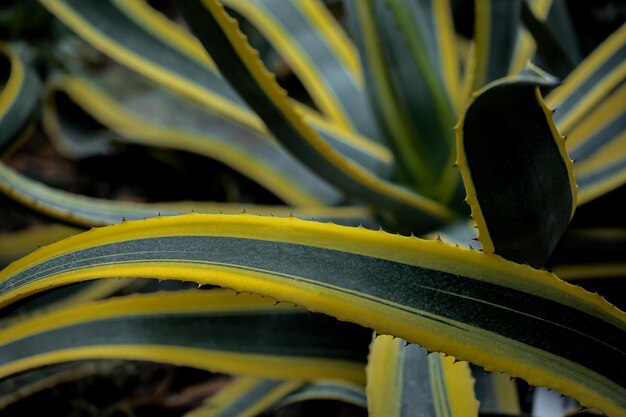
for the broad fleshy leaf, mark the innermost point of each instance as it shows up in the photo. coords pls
(242, 67)
(218, 330)
(477, 307)
(519, 179)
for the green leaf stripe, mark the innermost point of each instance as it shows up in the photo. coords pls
(20, 91)
(136, 35)
(87, 211)
(220, 330)
(221, 36)
(515, 169)
(244, 397)
(495, 34)
(309, 39)
(137, 112)
(411, 77)
(333, 390)
(596, 77)
(474, 306)
(402, 378)
(590, 253)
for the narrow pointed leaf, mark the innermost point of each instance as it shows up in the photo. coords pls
(600, 129)
(221, 36)
(87, 211)
(20, 91)
(132, 110)
(244, 397)
(412, 75)
(315, 47)
(586, 87)
(163, 52)
(590, 254)
(525, 45)
(477, 307)
(519, 178)
(497, 393)
(496, 28)
(602, 173)
(402, 379)
(551, 51)
(14, 245)
(214, 330)
(333, 390)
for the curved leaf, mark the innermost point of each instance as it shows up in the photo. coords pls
(519, 178)
(497, 394)
(20, 90)
(412, 71)
(589, 254)
(14, 245)
(89, 211)
(244, 397)
(495, 32)
(402, 379)
(525, 45)
(474, 306)
(161, 51)
(553, 54)
(333, 390)
(588, 85)
(603, 127)
(221, 36)
(215, 330)
(311, 41)
(137, 112)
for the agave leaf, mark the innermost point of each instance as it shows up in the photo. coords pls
(215, 330)
(598, 145)
(560, 21)
(477, 307)
(87, 211)
(221, 35)
(27, 384)
(138, 37)
(408, 55)
(334, 390)
(590, 253)
(525, 45)
(20, 91)
(495, 33)
(602, 127)
(403, 378)
(551, 51)
(14, 245)
(519, 179)
(497, 394)
(587, 86)
(602, 173)
(311, 41)
(138, 113)
(245, 397)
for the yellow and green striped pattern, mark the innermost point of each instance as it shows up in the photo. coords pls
(474, 306)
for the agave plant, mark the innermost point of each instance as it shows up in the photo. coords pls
(407, 119)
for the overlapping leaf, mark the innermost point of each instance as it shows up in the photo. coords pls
(475, 306)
